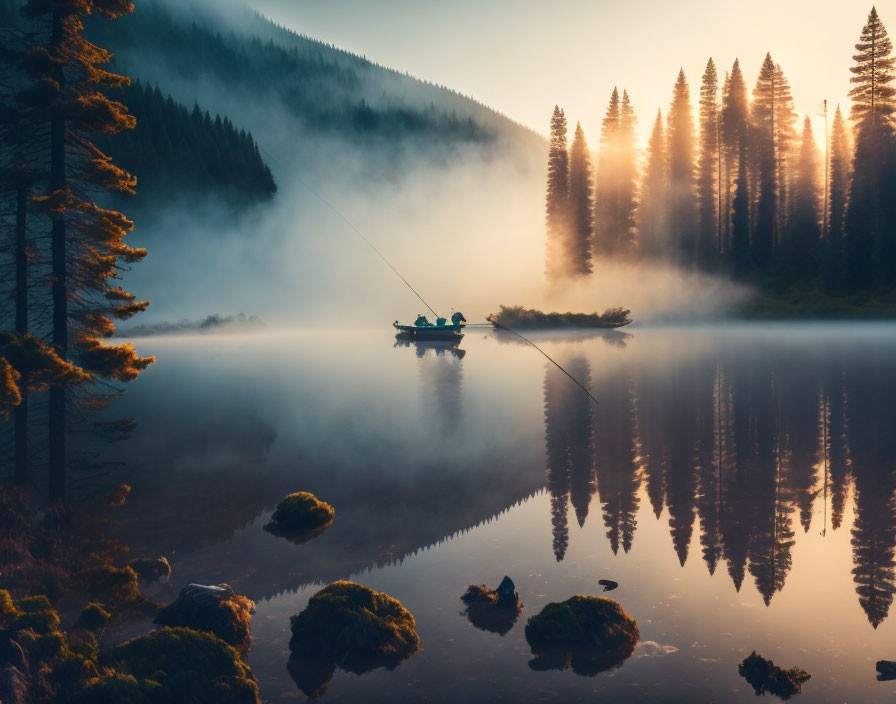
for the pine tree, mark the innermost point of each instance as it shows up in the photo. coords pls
(682, 186)
(740, 218)
(606, 183)
(580, 186)
(764, 162)
(870, 220)
(802, 248)
(627, 175)
(786, 138)
(651, 214)
(708, 178)
(557, 207)
(840, 166)
(86, 240)
(735, 127)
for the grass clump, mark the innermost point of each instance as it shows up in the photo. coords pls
(350, 626)
(521, 318)
(588, 633)
(764, 676)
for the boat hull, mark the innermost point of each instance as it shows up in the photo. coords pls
(443, 332)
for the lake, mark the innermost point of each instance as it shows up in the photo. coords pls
(738, 483)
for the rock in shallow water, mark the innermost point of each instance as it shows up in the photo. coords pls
(216, 609)
(300, 517)
(764, 676)
(493, 610)
(350, 626)
(590, 634)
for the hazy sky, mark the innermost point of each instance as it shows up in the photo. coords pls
(523, 56)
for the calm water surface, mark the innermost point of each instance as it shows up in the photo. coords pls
(739, 484)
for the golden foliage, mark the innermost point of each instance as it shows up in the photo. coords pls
(96, 113)
(100, 171)
(38, 363)
(9, 389)
(119, 362)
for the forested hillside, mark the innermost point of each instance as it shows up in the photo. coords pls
(248, 65)
(175, 151)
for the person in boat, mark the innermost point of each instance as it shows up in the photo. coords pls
(458, 318)
(422, 322)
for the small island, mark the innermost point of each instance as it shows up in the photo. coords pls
(300, 517)
(520, 318)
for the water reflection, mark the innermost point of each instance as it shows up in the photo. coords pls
(747, 445)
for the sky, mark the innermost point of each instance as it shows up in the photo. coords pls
(521, 57)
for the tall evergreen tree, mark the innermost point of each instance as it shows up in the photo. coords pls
(606, 184)
(652, 208)
(786, 142)
(764, 161)
(840, 166)
(740, 218)
(802, 246)
(735, 128)
(708, 178)
(580, 186)
(870, 218)
(557, 206)
(86, 240)
(627, 176)
(682, 186)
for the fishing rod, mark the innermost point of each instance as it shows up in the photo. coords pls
(547, 356)
(414, 291)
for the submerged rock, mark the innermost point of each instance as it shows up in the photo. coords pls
(216, 609)
(608, 584)
(350, 626)
(493, 610)
(150, 569)
(300, 517)
(588, 633)
(764, 676)
(886, 670)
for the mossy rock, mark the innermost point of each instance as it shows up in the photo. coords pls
(588, 633)
(355, 628)
(181, 666)
(301, 516)
(764, 676)
(216, 609)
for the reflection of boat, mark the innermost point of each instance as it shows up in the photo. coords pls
(438, 346)
(422, 329)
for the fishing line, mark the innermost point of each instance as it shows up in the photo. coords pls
(547, 356)
(414, 291)
(361, 235)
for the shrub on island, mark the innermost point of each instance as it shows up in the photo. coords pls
(216, 609)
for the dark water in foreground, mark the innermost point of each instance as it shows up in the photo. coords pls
(739, 485)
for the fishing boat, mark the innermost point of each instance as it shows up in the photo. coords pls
(422, 329)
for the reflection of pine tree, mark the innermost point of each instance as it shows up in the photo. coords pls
(712, 455)
(838, 448)
(567, 420)
(801, 419)
(772, 534)
(873, 447)
(442, 375)
(873, 543)
(650, 437)
(681, 473)
(615, 461)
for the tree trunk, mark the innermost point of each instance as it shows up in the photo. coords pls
(59, 293)
(20, 415)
